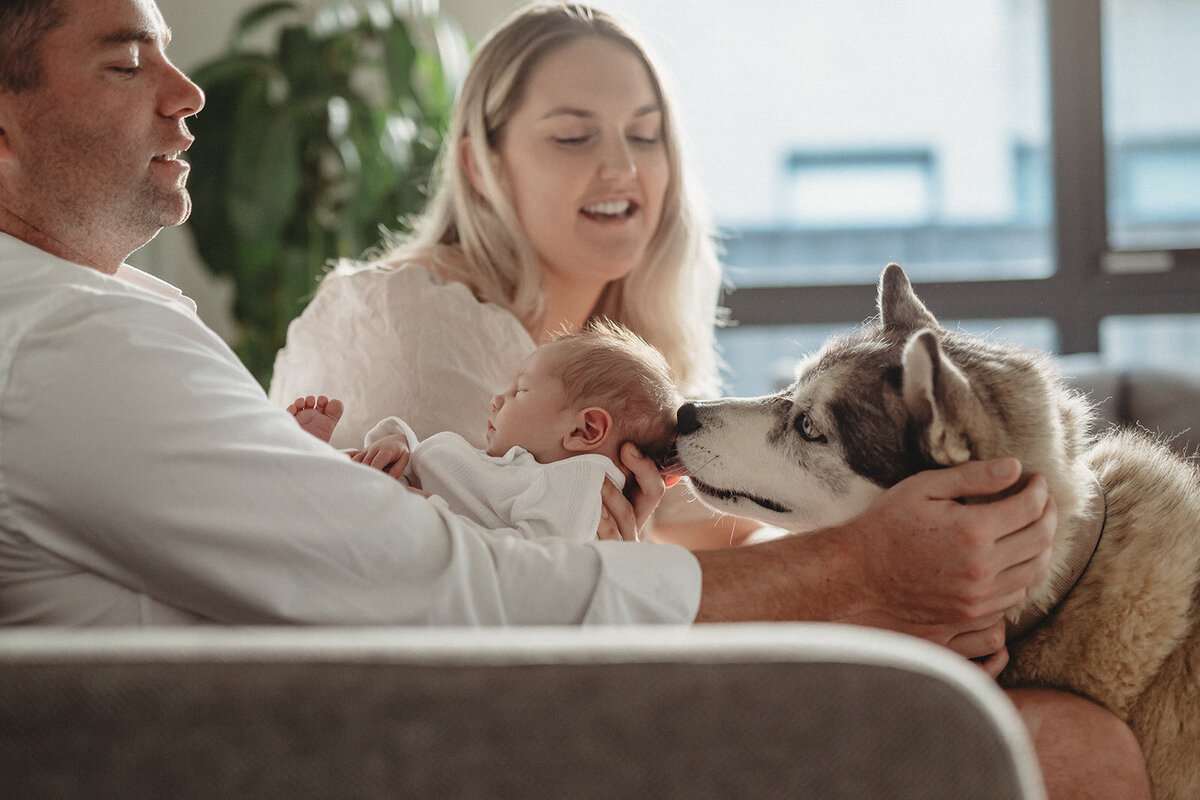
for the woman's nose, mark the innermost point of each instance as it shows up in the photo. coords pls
(618, 160)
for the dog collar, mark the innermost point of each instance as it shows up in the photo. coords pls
(1076, 562)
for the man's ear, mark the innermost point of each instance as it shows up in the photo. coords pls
(592, 427)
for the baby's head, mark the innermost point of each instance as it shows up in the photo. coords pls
(587, 392)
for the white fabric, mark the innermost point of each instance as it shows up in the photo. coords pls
(144, 478)
(561, 498)
(400, 342)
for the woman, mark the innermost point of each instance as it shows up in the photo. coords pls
(561, 196)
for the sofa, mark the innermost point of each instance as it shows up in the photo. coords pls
(736, 711)
(731, 711)
(1166, 403)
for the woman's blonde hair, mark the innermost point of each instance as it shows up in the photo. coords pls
(670, 299)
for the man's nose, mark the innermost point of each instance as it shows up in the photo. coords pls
(181, 97)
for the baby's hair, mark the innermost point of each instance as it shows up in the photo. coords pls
(607, 365)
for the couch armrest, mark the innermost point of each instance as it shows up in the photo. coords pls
(710, 711)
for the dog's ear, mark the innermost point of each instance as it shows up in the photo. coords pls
(938, 397)
(898, 304)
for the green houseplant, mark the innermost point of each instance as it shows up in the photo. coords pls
(306, 148)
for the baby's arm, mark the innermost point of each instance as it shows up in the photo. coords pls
(388, 454)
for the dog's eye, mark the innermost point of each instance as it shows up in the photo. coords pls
(804, 426)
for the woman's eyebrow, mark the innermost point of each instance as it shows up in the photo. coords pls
(583, 113)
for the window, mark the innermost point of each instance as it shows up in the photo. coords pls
(1034, 165)
(1152, 122)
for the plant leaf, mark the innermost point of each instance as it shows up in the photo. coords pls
(257, 16)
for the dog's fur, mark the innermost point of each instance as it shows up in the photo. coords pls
(906, 395)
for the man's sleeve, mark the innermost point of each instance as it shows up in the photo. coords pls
(141, 450)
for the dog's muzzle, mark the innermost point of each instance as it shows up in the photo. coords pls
(687, 419)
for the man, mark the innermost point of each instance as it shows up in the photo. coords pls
(145, 479)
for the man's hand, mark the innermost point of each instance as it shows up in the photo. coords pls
(916, 561)
(931, 560)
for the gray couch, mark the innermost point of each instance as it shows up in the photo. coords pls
(766, 711)
(769, 711)
(1163, 402)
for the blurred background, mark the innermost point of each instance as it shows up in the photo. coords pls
(1034, 165)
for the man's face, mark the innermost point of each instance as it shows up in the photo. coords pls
(89, 158)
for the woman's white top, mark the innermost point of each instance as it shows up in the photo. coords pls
(401, 342)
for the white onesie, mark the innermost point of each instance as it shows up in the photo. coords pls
(560, 499)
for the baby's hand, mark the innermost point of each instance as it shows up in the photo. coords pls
(390, 454)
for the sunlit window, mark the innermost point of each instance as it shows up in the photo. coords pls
(833, 137)
(1152, 122)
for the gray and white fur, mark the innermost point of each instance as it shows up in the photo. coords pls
(905, 395)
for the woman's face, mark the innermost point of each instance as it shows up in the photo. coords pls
(584, 162)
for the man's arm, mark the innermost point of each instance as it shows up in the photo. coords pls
(137, 449)
(916, 561)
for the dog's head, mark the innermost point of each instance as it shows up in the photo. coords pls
(865, 412)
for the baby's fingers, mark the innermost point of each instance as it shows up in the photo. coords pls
(397, 467)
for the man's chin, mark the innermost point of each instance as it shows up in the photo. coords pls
(170, 215)
(181, 211)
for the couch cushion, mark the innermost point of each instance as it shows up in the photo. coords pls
(722, 711)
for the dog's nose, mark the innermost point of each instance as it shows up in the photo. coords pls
(686, 419)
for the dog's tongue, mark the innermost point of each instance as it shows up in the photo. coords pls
(674, 469)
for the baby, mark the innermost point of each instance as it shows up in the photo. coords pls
(552, 438)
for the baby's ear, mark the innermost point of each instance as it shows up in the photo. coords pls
(592, 427)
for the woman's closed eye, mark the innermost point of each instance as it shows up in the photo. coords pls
(572, 141)
(644, 135)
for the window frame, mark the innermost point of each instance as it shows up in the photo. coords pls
(1090, 281)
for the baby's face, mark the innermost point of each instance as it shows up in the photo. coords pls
(532, 412)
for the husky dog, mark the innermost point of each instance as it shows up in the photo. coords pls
(1116, 617)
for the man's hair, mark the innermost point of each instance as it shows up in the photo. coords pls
(23, 26)
(607, 365)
